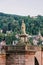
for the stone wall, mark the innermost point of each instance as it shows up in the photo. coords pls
(21, 58)
(2, 59)
(29, 59)
(42, 57)
(16, 59)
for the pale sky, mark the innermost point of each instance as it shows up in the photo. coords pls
(22, 7)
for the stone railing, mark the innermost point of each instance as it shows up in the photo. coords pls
(15, 48)
(22, 48)
(30, 48)
(36, 48)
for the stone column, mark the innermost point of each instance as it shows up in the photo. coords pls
(29, 58)
(29, 55)
(38, 55)
(42, 55)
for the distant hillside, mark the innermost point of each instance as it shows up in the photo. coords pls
(13, 22)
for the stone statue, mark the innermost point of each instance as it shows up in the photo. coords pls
(23, 28)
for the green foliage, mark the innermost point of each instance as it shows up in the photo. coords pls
(13, 22)
(2, 36)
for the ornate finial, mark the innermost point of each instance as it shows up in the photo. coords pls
(23, 27)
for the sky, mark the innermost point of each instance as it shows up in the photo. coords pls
(22, 7)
